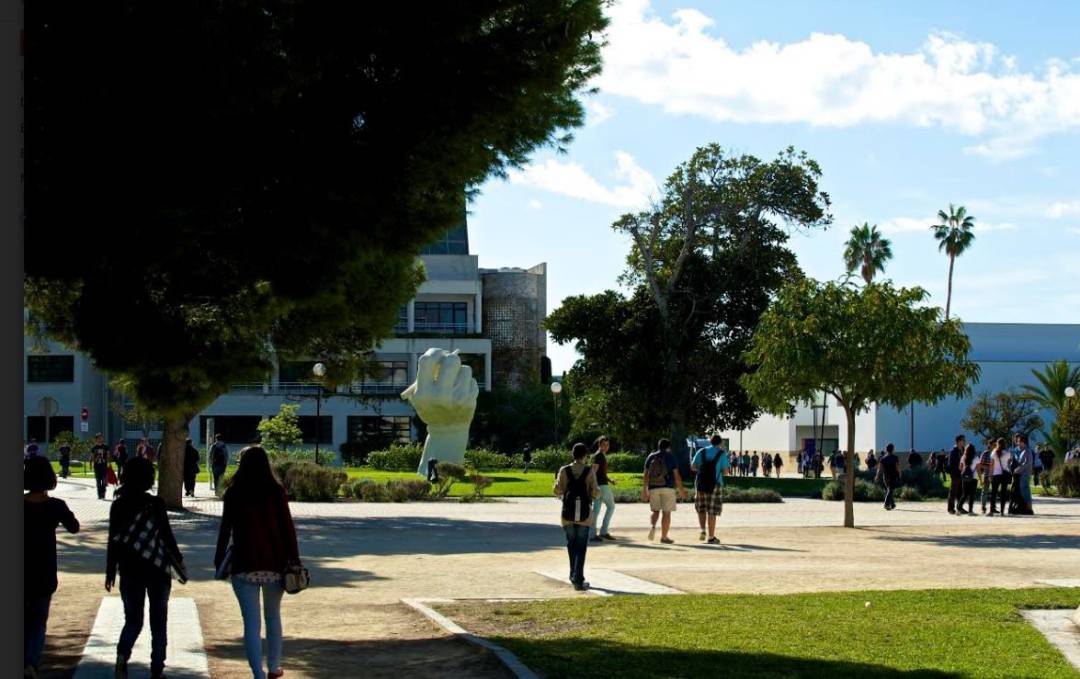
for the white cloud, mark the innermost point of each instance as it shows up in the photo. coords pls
(633, 191)
(1074, 229)
(534, 204)
(597, 113)
(915, 225)
(832, 80)
(1063, 209)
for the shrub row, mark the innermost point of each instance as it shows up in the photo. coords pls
(308, 482)
(395, 490)
(397, 458)
(864, 491)
(734, 495)
(1065, 479)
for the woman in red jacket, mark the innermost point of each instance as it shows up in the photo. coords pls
(256, 516)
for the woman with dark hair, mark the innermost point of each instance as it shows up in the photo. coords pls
(41, 515)
(142, 547)
(1000, 474)
(968, 478)
(777, 464)
(257, 520)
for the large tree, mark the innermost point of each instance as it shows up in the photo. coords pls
(211, 183)
(875, 344)
(954, 234)
(1000, 415)
(705, 259)
(1049, 392)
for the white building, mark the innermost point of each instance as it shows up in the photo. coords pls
(1006, 354)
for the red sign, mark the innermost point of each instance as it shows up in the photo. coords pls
(85, 414)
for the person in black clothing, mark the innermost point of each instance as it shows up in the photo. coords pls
(952, 466)
(141, 577)
(191, 467)
(1046, 455)
(120, 455)
(41, 515)
(99, 456)
(914, 460)
(889, 470)
(65, 460)
(968, 478)
(219, 462)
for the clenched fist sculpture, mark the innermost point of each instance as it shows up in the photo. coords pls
(444, 396)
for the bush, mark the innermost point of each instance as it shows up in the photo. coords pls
(408, 490)
(927, 483)
(291, 455)
(480, 458)
(366, 490)
(449, 473)
(546, 459)
(480, 486)
(397, 458)
(308, 482)
(625, 462)
(864, 491)
(1065, 479)
(910, 494)
(354, 453)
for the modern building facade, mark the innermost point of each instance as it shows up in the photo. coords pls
(1006, 354)
(491, 316)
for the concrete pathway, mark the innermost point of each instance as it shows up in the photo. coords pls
(1060, 630)
(607, 582)
(186, 657)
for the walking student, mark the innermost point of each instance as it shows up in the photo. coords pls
(661, 480)
(999, 477)
(607, 497)
(219, 462)
(777, 464)
(99, 457)
(766, 465)
(1047, 458)
(142, 548)
(41, 515)
(65, 459)
(191, 467)
(257, 522)
(120, 454)
(709, 465)
(951, 464)
(576, 486)
(888, 470)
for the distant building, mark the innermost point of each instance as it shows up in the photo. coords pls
(491, 316)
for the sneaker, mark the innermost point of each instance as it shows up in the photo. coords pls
(714, 540)
(652, 533)
(609, 536)
(667, 541)
(702, 536)
(581, 586)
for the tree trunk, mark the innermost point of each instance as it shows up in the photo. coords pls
(849, 471)
(948, 294)
(678, 445)
(171, 464)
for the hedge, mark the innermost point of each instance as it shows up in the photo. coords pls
(733, 495)
(394, 490)
(864, 491)
(307, 482)
(1065, 479)
(398, 458)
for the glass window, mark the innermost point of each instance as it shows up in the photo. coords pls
(233, 428)
(379, 430)
(451, 318)
(321, 428)
(35, 427)
(454, 242)
(402, 324)
(50, 368)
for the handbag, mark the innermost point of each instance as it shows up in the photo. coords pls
(110, 476)
(296, 578)
(224, 570)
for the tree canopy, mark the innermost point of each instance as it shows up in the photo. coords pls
(874, 344)
(1048, 392)
(867, 250)
(1000, 415)
(210, 183)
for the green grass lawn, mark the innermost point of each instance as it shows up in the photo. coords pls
(934, 633)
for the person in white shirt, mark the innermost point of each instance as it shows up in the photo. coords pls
(1000, 475)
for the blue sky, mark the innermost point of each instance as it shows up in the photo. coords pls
(907, 106)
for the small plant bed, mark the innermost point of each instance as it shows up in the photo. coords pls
(973, 633)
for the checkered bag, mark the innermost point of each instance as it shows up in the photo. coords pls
(144, 538)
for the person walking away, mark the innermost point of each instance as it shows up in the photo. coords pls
(1025, 464)
(219, 461)
(999, 477)
(257, 522)
(1046, 456)
(144, 551)
(527, 459)
(818, 464)
(914, 459)
(754, 461)
(766, 465)
(576, 486)
(841, 461)
(855, 461)
(661, 479)
(951, 464)
(968, 478)
(1037, 466)
(607, 497)
(799, 462)
(99, 458)
(709, 465)
(871, 461)
(777, 464)
(41, 515)
(888, 470)
(120, 454)
(65, 460)
(191, 467)
(983, 470)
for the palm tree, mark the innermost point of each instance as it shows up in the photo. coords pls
(1049, 393)
(867, 251)
(954, 235)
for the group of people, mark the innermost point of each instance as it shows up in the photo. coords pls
(747, 463)
(256, 549)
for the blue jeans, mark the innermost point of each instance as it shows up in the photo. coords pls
(1025, 488)
(577, 542)
(134, 590)
(607, 499)
(35, 617)
(247, 595)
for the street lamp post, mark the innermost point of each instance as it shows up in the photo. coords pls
(1070, 393)
(319, 370)
(556, 389)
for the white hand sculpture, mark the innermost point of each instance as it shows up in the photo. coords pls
(444, 396)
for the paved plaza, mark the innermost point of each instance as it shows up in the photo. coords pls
(366, 558)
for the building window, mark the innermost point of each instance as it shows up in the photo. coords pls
(453, 242)
(50, 368)
(35, 427)
(233, 428)
(402, 324)
(379, 431)
(321, 427)
(448, 318)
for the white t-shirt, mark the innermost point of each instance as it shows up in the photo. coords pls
(1001, 464)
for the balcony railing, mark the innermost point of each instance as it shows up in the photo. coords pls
(311, 389)
(378, 388)
(444, 328)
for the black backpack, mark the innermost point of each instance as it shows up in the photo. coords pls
(576, 501)
(706, 475)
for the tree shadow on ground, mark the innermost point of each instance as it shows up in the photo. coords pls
(997, 541)
(600, 659)
(445, 657)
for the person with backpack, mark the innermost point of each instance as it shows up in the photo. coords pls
(888, 470)
(661, 480)
(191, 467)
(576, 486)
(144, 551)
(219, 461)
(607, 498)
(41, 516)
(709, 465)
